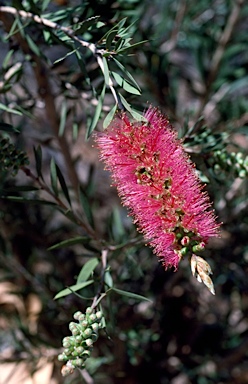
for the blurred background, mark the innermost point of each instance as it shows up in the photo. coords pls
(193, 65)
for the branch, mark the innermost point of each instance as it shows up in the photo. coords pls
(50, 24)
(98, 53)
(98, 297)
(60, 203)
(219, 52)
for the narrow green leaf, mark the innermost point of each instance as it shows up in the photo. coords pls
(83, 26)
(20, 188)
(96, 117)
(53, 176)
(62, 118)
(14, 28)
(82, 66)
(63, 185)
(109, 39)
(75, 130)
(86, 207)
(130, 294)
(106, 70)
(131, 46)
(136, 115)
(87, 270)
(117, 225)
(124, 84)
(73, 288)
(38, 161)
(65, 56)
(20, 199)
(10, 110)
(109, 117)
(33, 46)
(69, 242)
(44, 4)
(128, 74)
(108, 279)
(116, 27)
(7, 58)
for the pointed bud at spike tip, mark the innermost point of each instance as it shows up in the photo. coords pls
(201, 269)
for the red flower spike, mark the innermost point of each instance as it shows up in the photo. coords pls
(157, 182)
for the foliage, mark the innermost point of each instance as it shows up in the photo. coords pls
(66, 244)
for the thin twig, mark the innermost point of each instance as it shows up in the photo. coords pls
(86, 376)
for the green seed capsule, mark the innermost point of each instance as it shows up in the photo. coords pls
(79, 339)
(79, 363)
(89, 311)
(66, 344)
(79, 350)
(84, 323)
(81, 317)
(99, 315)
(77, 315)
(67, 351)
(89, 342)
(88, 332)
(72, 325)
(94, 336)
(62, 357)
(75, 331)
(92, 318)
(242, 174)
(95, 327)
(74, 353)
(86, 354)
(184, 251)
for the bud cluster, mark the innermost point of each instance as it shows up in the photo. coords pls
(78, 347)
(10, 157)
(230, 162)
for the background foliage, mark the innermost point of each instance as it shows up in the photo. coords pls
(58, 213)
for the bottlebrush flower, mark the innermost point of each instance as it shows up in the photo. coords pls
(158, 183)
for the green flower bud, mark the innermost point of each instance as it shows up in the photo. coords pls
(184, 251)
(198, 247)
